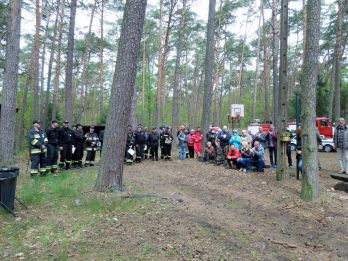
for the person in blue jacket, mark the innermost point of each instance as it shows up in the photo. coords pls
(235, 139)
(38, 148)
(224, 137)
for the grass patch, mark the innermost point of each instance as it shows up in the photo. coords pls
(63, 210)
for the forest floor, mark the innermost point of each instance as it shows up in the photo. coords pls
(177, 211)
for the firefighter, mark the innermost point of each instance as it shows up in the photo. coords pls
(52, 148)
(92, 142)
(38, 148)
(166, 141)
(161, 143)
(78, 143)
(66, 140)
(129, 147)
(140, 140)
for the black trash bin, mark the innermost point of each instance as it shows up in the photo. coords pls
(8, 180)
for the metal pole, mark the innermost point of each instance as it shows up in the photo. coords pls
(297, 126)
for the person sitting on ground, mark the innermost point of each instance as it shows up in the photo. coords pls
(235, 140)
(258, 153)
(209, 153)
(246, 137)
(220, 155)
(224, 137)
(257, 158)
(232, 156)
(260, 136)
(198, 139)
(190, 144)
(245, 154)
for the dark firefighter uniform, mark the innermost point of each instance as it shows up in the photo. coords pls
(79, 140)
(166, 141)
(140, 141)
(129, 145)
(92, 145)
(52, 147)
(66, 140)
(38, 142)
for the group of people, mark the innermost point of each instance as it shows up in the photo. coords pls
(70, 142)
(244, 151)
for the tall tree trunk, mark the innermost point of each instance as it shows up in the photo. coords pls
(159, 73)
(218, 67)
(179, 46)
(143, 84)
(275, 54)
(69, 64)
(266, 74)
(196, 89)
(9, 88)
(241, 66)
(23, 108)
(85, 63)
(101, 83)
(36, 111)
(342, 6)
(209, 66)
(304, 7)
(221, 90)
(110, 175)
(332, 89)
(50, 65)
(310, 182)
(256, 81)
(163, 56)
(58, 63)
(134, 109)
(282, 166)
(42, 73)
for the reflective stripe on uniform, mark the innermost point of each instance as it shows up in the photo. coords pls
(37, 136)
(43, 170)
(35, 151)
(34, 142)
(67, 161)
(34, 171)
(45, 140)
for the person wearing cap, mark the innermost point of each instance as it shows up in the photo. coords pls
(38, 148)
(52, 147)
(79, 140)
(341, 143)
(92, 141)
(66, 140)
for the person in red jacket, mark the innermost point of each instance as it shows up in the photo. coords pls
(232, 156)
(198, 139)
(191, 144)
